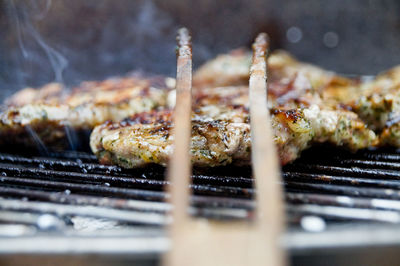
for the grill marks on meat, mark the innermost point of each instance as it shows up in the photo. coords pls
(214, 141)
(220, 119)
(221, 132)
(50, 110)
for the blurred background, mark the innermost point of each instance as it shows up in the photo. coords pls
(72, 40)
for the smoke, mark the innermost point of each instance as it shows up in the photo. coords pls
(18, 25)
(39, 12)
(41, 147)
(57, 60)
(103, 38)
(24, 17)
(150, 15)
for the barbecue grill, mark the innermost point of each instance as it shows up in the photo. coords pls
(65, 208)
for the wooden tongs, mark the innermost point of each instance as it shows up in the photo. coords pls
(198, 241)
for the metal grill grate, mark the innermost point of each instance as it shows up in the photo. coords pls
(70, 195)
(367, 179)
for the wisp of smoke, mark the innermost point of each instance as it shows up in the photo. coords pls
(57, 60)
(24, 17)
(25, 29)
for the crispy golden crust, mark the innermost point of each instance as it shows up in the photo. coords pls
(109, 91)
(220, 132)
(214, 142)
(147, 138)
(53, 108)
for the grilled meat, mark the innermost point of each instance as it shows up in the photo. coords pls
(220, 119)
(377, 103)
(221, 132)
(136, 142)
(379, 106)
(339, 127)
(300, 117)
(51, 112)
(233, 69)
(224, 70)
(297, 92)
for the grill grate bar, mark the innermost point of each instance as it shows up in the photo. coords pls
(329, 179)
(122, 203)
(354, 161)
(391, 157)
(150, 189)
(18, 217)
(79, 199)
(82, 188)
(62, 210)
(18, 171)
(57, 164)
(367, 163)
(353, 191)
(342, 201)
(152, 179)
(346, 213)
(352, 171)
(324, 153)
(72, 155)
